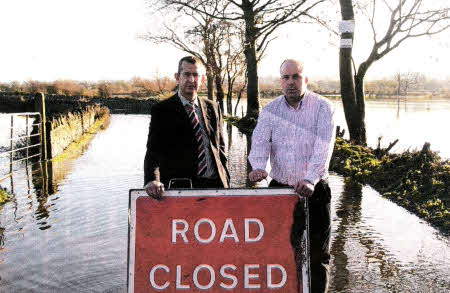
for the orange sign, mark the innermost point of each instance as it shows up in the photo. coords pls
(214, 241)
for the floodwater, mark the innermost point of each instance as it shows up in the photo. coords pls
(412, 122)
(69, 233)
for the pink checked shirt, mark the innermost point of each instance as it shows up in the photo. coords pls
(299, 141)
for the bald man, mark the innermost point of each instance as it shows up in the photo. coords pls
(296, 130)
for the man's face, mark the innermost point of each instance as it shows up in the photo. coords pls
(293, 83)
(189, 80)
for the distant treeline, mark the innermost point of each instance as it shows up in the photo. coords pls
(269, 87)
(136, 87)
(404, 84)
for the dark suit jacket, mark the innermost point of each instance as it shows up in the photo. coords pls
(171, 148)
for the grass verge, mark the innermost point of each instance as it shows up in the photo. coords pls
(73, 149)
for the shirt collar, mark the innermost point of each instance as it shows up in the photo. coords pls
(185, 101)
(299, 105)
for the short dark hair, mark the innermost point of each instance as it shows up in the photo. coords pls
(188, 59)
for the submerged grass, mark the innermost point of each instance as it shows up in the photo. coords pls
(4, 196)
(416, 180)
(245, 125)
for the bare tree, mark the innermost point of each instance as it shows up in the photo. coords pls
(407, 19)
(235, 62)
(215, 41)
(104, 89)
(260, 19)
(193, 38)
(407, 80)
(163, 84)
(241, 88)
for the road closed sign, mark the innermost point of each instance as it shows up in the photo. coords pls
(230, 240)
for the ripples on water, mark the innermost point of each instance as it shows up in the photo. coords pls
(378, 246)
(74, 239)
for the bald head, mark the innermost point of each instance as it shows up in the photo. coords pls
(292, 62)
(293, 81)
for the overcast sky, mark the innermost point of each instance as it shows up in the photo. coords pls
(97, 40)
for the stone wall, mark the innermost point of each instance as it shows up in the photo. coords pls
(66, 128)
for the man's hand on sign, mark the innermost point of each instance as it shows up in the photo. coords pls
(257, 175)
(155, 189)
(304, 188)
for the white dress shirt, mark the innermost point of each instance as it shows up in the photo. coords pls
(298, 140)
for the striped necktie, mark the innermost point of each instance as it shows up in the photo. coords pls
(201, 158)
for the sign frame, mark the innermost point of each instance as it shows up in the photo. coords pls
(134, 194)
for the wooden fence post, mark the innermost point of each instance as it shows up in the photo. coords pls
(39, 106)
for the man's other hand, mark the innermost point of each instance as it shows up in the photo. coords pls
(155, 189)
(304, 188)
(257, 175)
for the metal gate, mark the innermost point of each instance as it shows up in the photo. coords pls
(20, 146)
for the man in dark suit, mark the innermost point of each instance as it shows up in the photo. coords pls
(185, 138)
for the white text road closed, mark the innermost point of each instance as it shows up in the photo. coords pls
(201, 243)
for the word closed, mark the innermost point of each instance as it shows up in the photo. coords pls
(227, 273)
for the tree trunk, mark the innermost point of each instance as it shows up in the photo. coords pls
(230, 96)
(237, 102)
(359, 127)
(229, 103)
(219, 90)
(253, 105)
(210, 84)
(352, 91)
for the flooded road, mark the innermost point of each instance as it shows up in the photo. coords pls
(70, 234)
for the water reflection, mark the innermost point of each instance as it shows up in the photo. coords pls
(230, 136)
(237, 164)
(412, 122)
(379, 246)
(43, 186)
(68, 233)
(41, 180)
(2, 241)
(348, 234)
(348, 211)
